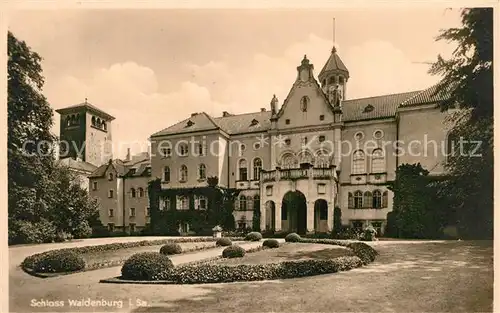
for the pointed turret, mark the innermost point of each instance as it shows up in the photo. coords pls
(334, 73)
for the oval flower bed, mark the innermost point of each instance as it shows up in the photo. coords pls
(108, 255)
(230, 270)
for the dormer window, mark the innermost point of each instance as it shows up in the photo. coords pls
(254, 122)
(368, 108)
(189, 123)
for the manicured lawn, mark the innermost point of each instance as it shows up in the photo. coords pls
(290, 252)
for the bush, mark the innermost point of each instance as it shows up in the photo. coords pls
(293, 237)
(369, 233)
(21, 232)
(82, 230)
(347, 233)
(233, 252)
(57, 262)
(146, 266)
(253, 236)
(223, 242)
(271, 243)
(171, 248)
(365, 252)
(62, 236)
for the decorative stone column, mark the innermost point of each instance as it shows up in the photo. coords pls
(329, 221)
(277, 217)
(310, 216)
(263, 216)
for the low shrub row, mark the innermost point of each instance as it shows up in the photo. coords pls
(253, 236)
(39, 260)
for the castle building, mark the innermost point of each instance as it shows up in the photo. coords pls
(296, 161)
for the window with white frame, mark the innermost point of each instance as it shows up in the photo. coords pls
(94, 185)
(132, 192)
(183, 173)
(257, 166)
(358, 162)
(132, 212)
(166, 174)
(367, 199)
(201, 149)
(140, 192)
(202, 171)
(377, 199)
(111, 193)
(243, 170)
(243, 203)
(378, 161)
(183, 149)
(110, 212)
(183, 203)
(202, 203)
(358, 200)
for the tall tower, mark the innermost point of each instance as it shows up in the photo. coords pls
(334, 72)
(85, 133)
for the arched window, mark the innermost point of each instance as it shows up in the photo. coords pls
(358, 200)
(367, 200)
(243, 170)
(110, 176)
(68, 121)
(98, 123)
(141, 192)
(331, 80)
(93, 120)
(384, 199)
(377, 199)
(378, 161)
(132, 192)
(289, 161)
(166, 174)
(303, 103)
(257, 166)
(350, 201)
(358, 162)
(183, 173)
(256, 203)
(104, 125)
(249, 202)
(202, 171)
(243, 203)
(183, 149)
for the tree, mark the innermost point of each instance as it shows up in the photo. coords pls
(43, 199)
(468, 83)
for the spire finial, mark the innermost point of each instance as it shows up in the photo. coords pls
(334, 50)
(85, 100)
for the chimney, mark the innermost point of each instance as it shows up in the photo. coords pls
(263, 109)
(128, 155)
(194, 114)
(225, 114)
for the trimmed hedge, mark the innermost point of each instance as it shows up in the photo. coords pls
(146, 266)
(293, 237)
(271, 243)
(223, 242)
(171, 248)
(253, 236)
(30, 262)
(59, 262)
(233, 252)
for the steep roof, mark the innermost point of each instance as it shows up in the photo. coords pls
(374, 107)
(77, 165)
(334, 63)
(139, 162)
(87, 106)
(242, 123)
(426, 96)
(197, 122)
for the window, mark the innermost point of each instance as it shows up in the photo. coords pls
(243, 147)
(321, 189)
(321, 138)
(257, 166)
(243, 170)
(166, 174)
(166, 152)
(93, 121)
(378, 162)
(243, 203)
(321, 117)
(132, 212)
(357, 225)
(304, 140)
(110, 194)
(358, 136)
(358, 162)
(183, 173)
(269, 190)
(132, 192)
(148, 211)
(183, 150)
(323, 213)
(242, 225)
(110, 176)
(287, 121)
(378, 227)
(201, 150)
(184, 227)
(384, 199)
(358, 200)
(141, 192)
(165, 204)
(256, 146)
(331, 80)
(368, 199)
(131, 227)
(284, 213)
(288, 142)
(110, 212)
(289, 161)
(303, 103)
(350, 201)
(368, 108)
(111, 227)
(94, 185)
(377, 199)
(378, 134)
(256, 203)
(183, 203)
(202, 203)
(202, 171)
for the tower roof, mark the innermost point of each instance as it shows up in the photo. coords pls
(333, 64)
(86, 106)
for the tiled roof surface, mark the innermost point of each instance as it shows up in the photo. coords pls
(383, 106)
(87, 106)
(242, 123)
(140, 162)
(426, 96)
(334, 63)
(77, 165)
(201, 121)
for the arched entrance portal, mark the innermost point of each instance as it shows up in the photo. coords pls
(270, 215)
(320, 216)
(294, 212)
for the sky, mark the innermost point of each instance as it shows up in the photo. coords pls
(153, 68)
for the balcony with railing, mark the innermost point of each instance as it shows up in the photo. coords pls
(298, 173)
